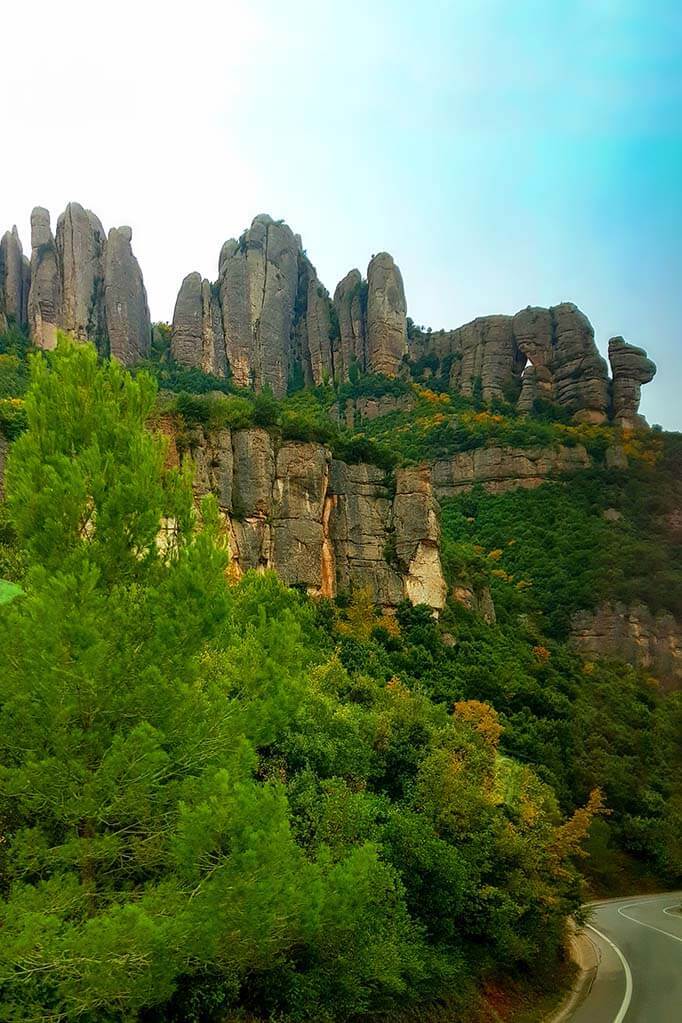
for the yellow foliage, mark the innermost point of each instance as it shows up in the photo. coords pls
(541, 652)
(482, 717)
(568, 838)
(361, 618)
(496, 554)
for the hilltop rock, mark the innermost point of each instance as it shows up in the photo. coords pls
(487, 357)
(45, 295)
(349, 301)
(12, 278)
(80, 241)
(559, 343)
(125, 300)
(197, 330)
(258, 286)
(386, 316)
(630, 368)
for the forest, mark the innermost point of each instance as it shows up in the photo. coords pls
(227, 801)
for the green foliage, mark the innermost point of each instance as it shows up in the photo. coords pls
(215, 800)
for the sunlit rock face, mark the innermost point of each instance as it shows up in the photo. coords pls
(320, 522)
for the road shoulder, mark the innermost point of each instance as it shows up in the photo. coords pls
(585, 955)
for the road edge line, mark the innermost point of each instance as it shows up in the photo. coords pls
(584, 954)
(625, 1004)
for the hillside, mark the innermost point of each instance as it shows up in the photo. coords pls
(468, 679)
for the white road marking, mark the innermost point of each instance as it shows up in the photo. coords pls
(677, 909)
(641, 923)
(625, 1004)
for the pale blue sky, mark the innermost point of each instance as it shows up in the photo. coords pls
(505, 153)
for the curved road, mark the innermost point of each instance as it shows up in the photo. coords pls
(639, 979)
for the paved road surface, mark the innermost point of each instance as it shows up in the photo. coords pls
(639, 979)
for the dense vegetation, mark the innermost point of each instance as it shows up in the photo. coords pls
(230, 802)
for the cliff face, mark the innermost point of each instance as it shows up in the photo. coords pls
(320, 522)
(502, 468)
(635, 635)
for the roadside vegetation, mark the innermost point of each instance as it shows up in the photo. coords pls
(230, 802)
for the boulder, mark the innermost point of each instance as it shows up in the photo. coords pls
(386, 316)
(630, 368)
(80, 241)
(45, 295)
(125, 300)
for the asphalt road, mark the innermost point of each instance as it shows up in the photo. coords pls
(639, 980)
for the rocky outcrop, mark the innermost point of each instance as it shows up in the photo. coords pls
(538, 353)
(319, 522)
(78, 281)
(416, 529)
(13, 279)
(197, 332)
(45, 295)
(478, 601)
(488, 360)
(258, 283)
(350, 304)
(634, 635)
(502, 468)
(386, 316)
(80, 241)
(630, 368)
(125, 300)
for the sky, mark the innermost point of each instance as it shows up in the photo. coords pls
(505, 153)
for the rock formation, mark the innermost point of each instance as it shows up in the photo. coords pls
(320, 522)
(13, 279)
(630, 368)
(45, 295)
(268, 321)
(77, 281)
(503, 468)
(125, 300)
(350, 303)
(386, 316)
(197, 333)
(634, 635)
(80, 241)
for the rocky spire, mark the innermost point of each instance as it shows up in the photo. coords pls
(81, 243)
(45, 295)
(125, 300)
(197, 331)
(630, 368)
(386, 316)
(12, 278)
